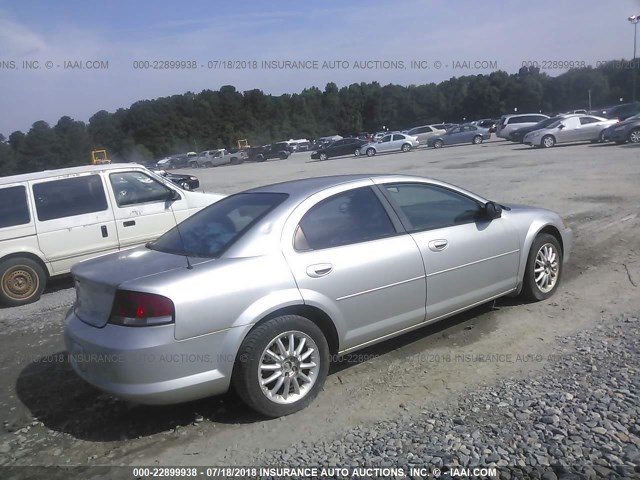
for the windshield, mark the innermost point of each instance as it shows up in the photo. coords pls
(212, 230)
(554, 124)
(547, 121)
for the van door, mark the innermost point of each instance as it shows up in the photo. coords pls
(74, 219)
(143, 207)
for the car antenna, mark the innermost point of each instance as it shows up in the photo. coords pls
(184, 247)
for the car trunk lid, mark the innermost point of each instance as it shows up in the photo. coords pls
(97, 280)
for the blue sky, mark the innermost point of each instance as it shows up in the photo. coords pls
(121, 32)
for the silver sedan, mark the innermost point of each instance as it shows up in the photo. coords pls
(573, 128)
(260, 290)
(392, 142)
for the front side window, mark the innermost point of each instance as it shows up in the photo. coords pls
(212, 230)
(430, 206)
(14, 209)
(349, 217)
(68, 197)
(133, 188)
(588, 120)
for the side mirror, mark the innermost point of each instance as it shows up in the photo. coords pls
(561, 126)
(173, 195)
(492, 210)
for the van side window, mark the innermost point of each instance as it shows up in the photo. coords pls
(131, 188)
(13, 206)
(69, 196)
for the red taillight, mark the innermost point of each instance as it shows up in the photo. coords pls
(138, 309)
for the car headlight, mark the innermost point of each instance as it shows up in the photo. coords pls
(192, 178)
(535, 134)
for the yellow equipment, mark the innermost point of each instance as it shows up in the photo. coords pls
(99, 157)
(243, 144)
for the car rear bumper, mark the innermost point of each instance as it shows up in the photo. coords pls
(148, 365)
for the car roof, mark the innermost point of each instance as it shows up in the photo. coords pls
(66, 171)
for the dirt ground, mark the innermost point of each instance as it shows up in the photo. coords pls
(51, 417)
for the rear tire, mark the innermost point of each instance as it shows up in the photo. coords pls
(634, 135)
(22, 281)
(406, 147)
(301, 373)
(323, 156)
(544, 262)
(357, 152)
(477, 140)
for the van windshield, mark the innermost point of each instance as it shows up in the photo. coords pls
(212, 230)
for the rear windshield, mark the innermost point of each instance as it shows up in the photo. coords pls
(212, 230)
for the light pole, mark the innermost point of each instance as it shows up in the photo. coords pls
(634, 19)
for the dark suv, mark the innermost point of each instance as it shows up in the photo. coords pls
(621, 112)
(275, 150)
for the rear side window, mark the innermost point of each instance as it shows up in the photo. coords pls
(350, 217)
(212, 230)
(68, 197)
(14, 209)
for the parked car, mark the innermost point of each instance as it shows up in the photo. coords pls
(178, 161)
(487, 123)
(509, 123)
(620, 112)
(186, 182)
(626, 131)
(392, 142)
(574, 128)
(518, 134)
(424, 132)
(346, 146)
(264, 287)
(50, 220)
(460, 134)
(267, 152)
(220, 156)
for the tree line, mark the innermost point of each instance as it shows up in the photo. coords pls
(152, 129)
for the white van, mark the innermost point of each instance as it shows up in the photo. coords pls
(50, 220)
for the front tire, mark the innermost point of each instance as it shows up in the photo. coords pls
(22, 281)
(544, 268)
(634, 135)
(548, 141)
(281, 365)
(371, 152)
(323, 156)
(438, 144)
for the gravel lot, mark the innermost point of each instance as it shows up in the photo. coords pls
(559, 388)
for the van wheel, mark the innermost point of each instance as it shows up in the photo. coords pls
(22, 281)
(281, 365)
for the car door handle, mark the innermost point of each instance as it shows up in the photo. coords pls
(129, 223)
(438, 245)
(319, 270)
(105, 232)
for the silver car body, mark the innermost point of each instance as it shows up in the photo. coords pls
(572, 128)
(509, 123)
(391, 142)
(360, 293)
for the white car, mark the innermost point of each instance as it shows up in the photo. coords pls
(392, 142)
(573, 128)
(53, 219)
